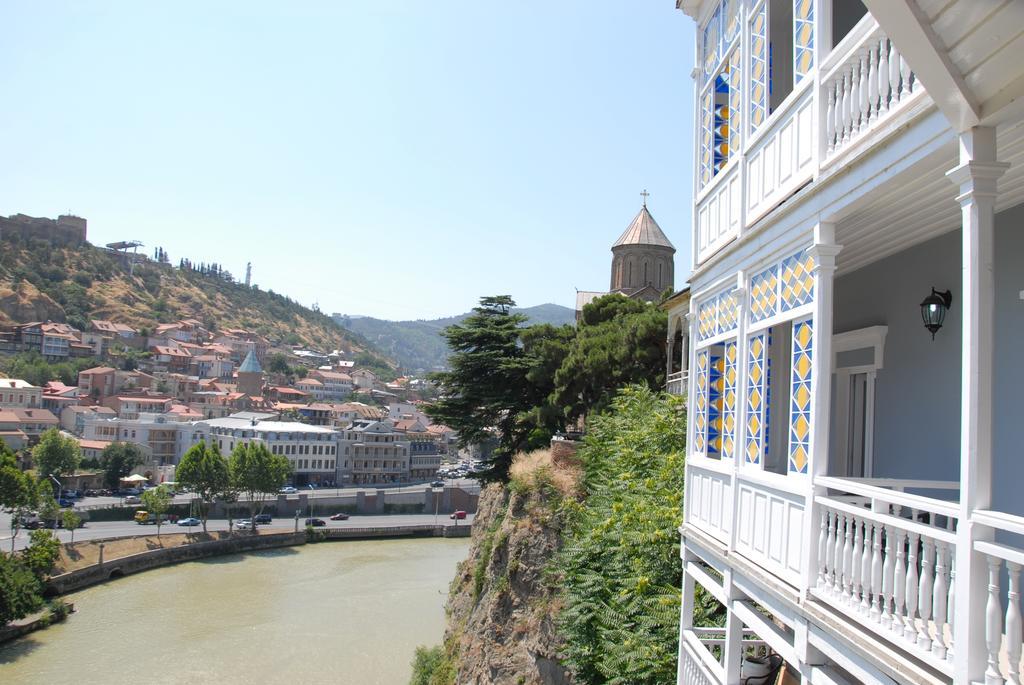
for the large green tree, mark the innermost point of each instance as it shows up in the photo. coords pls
(157, 501)
(619, 341)
(19, 590)
(55, 455)
(257, 473)
(19, 493)
(117, 461)
(204, 471)
(496, 386)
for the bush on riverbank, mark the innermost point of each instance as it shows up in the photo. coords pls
(22, 575)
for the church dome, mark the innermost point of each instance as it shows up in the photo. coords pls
(643, 230)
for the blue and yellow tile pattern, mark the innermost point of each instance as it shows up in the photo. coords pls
(715, 387)
(757, 397)
(764, 298)
(797, 280)
(700, 419)
(729, 398)
(803, 38)
(758, 67)
(800, 404)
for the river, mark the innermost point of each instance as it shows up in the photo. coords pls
(344, 612)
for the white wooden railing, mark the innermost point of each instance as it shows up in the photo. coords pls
(1003, 627)
(676, 383)
(699, 666)
(863, 81)
(885, 558)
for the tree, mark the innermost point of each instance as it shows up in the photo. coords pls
(19, 590)
(49, 510)
(18, 491)
(485, 389)
(71, 521)
(278, 363)
(204, 471)
(117, 461)
(257, 473)
(619, 341)
(55, 455)
(42, 553)
(156, 501)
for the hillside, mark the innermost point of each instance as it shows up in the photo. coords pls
(418, 345)
(41, 281)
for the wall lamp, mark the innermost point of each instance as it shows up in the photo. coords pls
(934, 308)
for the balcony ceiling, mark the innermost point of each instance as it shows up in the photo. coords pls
(921, 204)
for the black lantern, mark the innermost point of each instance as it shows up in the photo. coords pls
(934, 308)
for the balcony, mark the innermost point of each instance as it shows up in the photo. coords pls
(676, 383)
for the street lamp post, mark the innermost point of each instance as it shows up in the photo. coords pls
(60, 493)
(311, 491)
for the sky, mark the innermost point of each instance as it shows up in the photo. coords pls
(397, 159)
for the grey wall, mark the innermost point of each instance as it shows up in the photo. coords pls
(917, 400)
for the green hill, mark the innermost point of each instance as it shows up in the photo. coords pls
(40, 281)
(418, 345)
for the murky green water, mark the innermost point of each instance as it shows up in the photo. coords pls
(344, 612)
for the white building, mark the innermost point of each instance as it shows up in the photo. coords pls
(163, 437)
(852, 484)
(312, 450)
(372, 452)
(18, 393)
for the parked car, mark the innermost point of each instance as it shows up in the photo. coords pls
(132, 499)
(72, 494)
(31, 523)
(316, 523)
(340, 516)
(243, 524)
(92, 493)
(64, 502)
(263, 519)
(143, 517)
(458, 514)
(189, 521)
(437, 484)
(288, 490)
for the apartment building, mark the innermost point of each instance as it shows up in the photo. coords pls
(16, 393)
(852, 341)
(372, 452)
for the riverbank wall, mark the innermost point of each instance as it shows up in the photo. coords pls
(38, 621)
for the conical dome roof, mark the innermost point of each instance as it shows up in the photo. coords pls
(643, 230)
(250, 365)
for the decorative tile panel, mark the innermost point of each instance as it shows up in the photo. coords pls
(722, 125)
(715, 387)
(712, 43)
(758, 67)
(706, 136)
(797, 280)
(800, 399)
(700, 418)
(707, 319)
(803, 38)
(757, 398)
(730, 22)
(764, 296)
(727, 312)
(730, 376)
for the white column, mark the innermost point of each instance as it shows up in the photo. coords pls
(976, 178)
(733, 650)
(824, 252)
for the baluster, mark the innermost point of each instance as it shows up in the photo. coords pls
(855, 555)
(924, 598)
(883, 76)
(822, 541)
(876, 574)
(905, 78)
(830, 551)
(873, 82)
(951, 604)
(847, 114)
(909, 627)
(888, 572)
(993, 622)
(854, 99)
(848, 558)
(865, 571)
(862, 91)
(939, 595)
(840, 539)
(839, 111)
(1013, 623)
(899, 583)
(830, 121)
(894, 72)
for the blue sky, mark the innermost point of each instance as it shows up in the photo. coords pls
(391, 158)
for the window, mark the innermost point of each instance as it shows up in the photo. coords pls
(719, 95)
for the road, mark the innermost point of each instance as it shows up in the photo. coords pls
(114, 529)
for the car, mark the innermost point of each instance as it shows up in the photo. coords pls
(189, 521)
(92, 493)
(458, 514)
(72, 494)
(340, 516)
(32, 523)
(263, 519)
(437, 484)
(132, 499)
(316, 523)
(243, 524)
(288, 490)
(64, 502)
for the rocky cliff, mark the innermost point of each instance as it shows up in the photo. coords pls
(503, 603)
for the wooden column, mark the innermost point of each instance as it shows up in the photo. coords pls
(976, 178)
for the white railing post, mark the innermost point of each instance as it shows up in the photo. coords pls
(883, 76)
(993, 622)
(876, 574)
(899, 583)
(865, 571)
(822, 547)
(925, 600)
(939, 599)
(888, 577)
(1013, 623)
(909, 626)
(848, 559)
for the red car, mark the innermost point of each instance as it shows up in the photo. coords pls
(458, 514)
(340, 517)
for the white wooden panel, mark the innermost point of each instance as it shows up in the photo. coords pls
(718, 215)
(770, 527)
(782, 160)
(709, 502)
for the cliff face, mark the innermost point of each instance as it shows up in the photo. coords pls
(501, 607)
